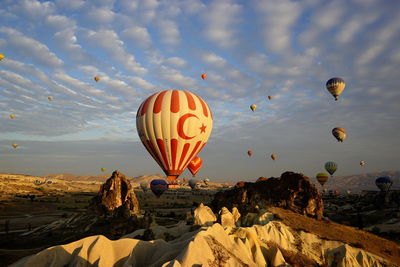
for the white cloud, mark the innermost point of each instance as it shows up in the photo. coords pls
(32, 9)
(176, 78)
(176, 62)
(137, 35)
(169, 32)
(213, 59)
(354, 26)
(58, 22)
(141, 83)
(221, 19)
(69, 4)
(102, 15)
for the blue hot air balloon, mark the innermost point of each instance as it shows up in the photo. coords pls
(384, 183)
(158, 187)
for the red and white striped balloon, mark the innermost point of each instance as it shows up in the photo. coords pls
(174, 125)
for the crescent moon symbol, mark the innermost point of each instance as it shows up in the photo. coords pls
(180, 124)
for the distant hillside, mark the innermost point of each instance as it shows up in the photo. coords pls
(73, 177)
(360, 182)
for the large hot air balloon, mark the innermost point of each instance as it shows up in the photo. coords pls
(249, 152)
(14, 145)
(362, 163)
(12, 116)
(384, 183)
(97, 78)
(195, 165)
(174, 126)
(144, 186)
(335, 86)
(322, 178)
(270, 97)
(158, 187)
(331, 167)
(193, 183)
(204, 76)
(2, 56)
(50, 98)
(103, 169)
(339, 133)
(274, 156)
(253, 107)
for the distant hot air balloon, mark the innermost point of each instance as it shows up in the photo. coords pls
(249, 152)
(2, 56)
(269, 97)
(274, 156)
(12, 116)
(174, 126)
(384, 183)
(204, 76)
(195, 165)
(103, 169)
(144, 186)
(158, 187)
(362, 163)
(339, 133)
(97, 78)
(206, 180)
(14, 145)
(331, 167)
(335, 86)
(253, 107)
(322, 178)
(50, 98)
(193, 183)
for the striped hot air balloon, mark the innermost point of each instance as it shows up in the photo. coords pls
(174, 126)
(335, 86)
(331, 167)
(339, 133)
(322, 178)
(195, 165)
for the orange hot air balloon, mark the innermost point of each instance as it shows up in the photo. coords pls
(249, 153)
(339, 133)
(204, 76)
(195, 165)
(14, 145)
(269, 97)
(97, 78)
(174, 126)
(274, 156)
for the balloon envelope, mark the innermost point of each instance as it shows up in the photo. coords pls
(274, 156)
(269, 97)
(331, 167)
(158, 187)
(103, 169)
(193, 183)
(249, 153)
(362, 163)
(2, 56)
(50, 98)
(14, 145)
(204, 76)
(253, 107)
(12, 116)
(97, 78)
(384, 183)
(195, 165)
(339, 133)
(174, 126)
(322, 178)
(335, 86)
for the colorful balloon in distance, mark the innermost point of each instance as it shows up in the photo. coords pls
(97, 78)
(174, 126)
(204, 76)
(249, 153)
(14, 145)
(195, 165)
(12, 116)
(253, 107)
(335, 86)
(339, 133)
(193, 183)
(158, 187)
(322, 178)
(270, 97)
(384, 183)
(144, 186)
(50, 98)
(362, 163)
(274, 156)
(331, 167)
(2, 56)
(103, 169)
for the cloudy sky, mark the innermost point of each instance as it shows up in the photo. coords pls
(249, 50)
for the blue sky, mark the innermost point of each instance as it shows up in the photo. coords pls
(249, 50)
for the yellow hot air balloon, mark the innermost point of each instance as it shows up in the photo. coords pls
(97, 78)
(103, 169)
(12, 116)
(274, 156)
(335, 86)
(339, 133)
(174, 126)
(50, 98)
(14, 145)
(2, 56)
(253, 107)
(322, 178)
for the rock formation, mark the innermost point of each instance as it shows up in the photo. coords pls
(116, 197)
(204, 216)
(292, 191)
(226, 218)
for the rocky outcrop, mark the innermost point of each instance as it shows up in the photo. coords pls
(204, 216)
(116, 198)
(292, 191)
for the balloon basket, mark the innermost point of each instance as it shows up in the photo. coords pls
(173, 186)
